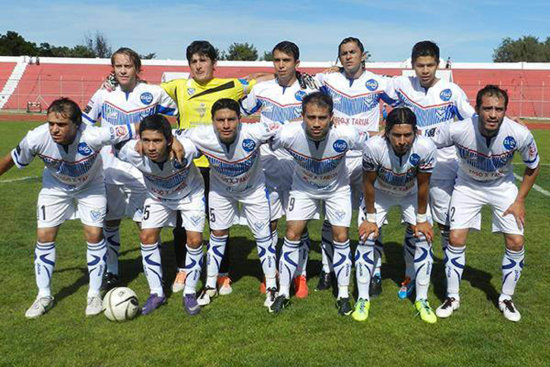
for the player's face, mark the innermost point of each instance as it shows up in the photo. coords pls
(351, 58)
(401, 138)
(226, 123)
(425, 68)
(285, 67)
(125, 71)
(202, 68)
(62, 130)
(155, 145)
(491, 114)
(318, 121)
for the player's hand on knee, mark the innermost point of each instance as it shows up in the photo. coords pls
(517, 209)
(368, 229)
(424, 228)
(110, 83)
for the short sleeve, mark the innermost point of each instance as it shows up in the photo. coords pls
(92, 111)
(370, 161)
(442, 137)
(25, 151)
(429, 158)
(167, 105)
(464, 109)
(529, 152)
(250, 104)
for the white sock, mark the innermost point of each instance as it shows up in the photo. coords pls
(305, 244)
(112, 236)
(193, 266)
(364, 267)
(287, 265)
(268, 259)
(214, 256)
(378, 249)
(327, 250)
(423, 260)
(44, 263)
(342, 266)
(408, 252)
(95, 256)
(512, 264)
(455, 259)
(152, 267)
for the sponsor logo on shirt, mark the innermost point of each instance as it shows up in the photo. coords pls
(84, 149)
(299, 95)
(509, 142)
(340, 146)
(249, 145)
(371, 84)
(146, 98)
(414, 159)
(190, 91)
(445, 94)
(178, 165)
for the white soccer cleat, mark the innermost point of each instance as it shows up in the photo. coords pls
(509, 310)
(179, 281)
(95, 306)
(448, 307)
(39, 307)
(206, 296)
(270, 295)
(224, 285)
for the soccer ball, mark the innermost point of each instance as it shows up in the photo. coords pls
(120, 304)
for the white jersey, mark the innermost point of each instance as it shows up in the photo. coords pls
(488, 159)
(170, 180)
(396, 175)
(74, 166)
(443, 102)
(320, 167)
(118, 107)
(235, 167)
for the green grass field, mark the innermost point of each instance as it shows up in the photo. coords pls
(236, 330)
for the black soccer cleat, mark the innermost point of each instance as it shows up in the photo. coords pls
(110, 281)
(375, 286)
(344, 306)
(325, 281)
(280, 303)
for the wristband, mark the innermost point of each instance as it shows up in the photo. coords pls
(420, 218)
(371, 217)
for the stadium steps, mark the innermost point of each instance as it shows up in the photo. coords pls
(13, 81)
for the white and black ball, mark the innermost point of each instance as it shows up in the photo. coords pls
(120, 304)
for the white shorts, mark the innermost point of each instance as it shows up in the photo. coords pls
(469, 198)
(255, 206)
(278, 201)
(440, 199)
(354, 166)
(163, 213)
(125, 201)
(304, 206)
(278, 172)
(384, 201)
(55, 206)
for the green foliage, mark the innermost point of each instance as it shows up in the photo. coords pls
(242, 52)
(526, 49)
(268, 56)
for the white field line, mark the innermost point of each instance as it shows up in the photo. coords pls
(19, 179)
(535, 186)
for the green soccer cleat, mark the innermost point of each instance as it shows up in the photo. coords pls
(361, 312)
(425, 311)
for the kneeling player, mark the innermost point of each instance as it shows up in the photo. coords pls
(173, 188)
(73, 175)
(486, 145)
(397, 169)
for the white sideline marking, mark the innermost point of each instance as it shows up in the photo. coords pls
(540, 164)
(535, 186)
(19, 179)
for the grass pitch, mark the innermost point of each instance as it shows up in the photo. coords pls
(236, 330)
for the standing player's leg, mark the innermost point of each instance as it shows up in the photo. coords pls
(327, 253)
(180, 239)
(151, 260)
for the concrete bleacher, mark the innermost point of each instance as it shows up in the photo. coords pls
(6, 68)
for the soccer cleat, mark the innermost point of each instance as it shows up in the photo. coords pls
(153, 302)
(300, 285)
(446, 309)
(270, 296)
(344, 306)
(262, 286)
(110, 281)
(280, 303)
(179, 282)
(361, 312)
(206, 296)
(407, 287)
(509, 310)
(190, 304)
(224, 285)
(39, 307)
(375, 286)
(325, 281)
(425, 311)
(95, 306)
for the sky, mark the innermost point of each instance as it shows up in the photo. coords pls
(467, 31)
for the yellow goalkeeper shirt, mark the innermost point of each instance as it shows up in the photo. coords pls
(195, 100)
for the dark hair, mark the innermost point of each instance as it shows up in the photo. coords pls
(398, 116)
(133, 55)
(67, 108)
(425, 48)
(156, 123)
(491, 90)
(320, 99)
(348, 40)
(289, 48)
(202, 48)
(226, 103)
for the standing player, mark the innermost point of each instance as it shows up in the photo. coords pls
(173, 188)
(319, 150)
(236, 177)
(280, 100)
(486, 145)
(356, 93)
(129, 102)
(397, 169)
(434, 102)
(73, 174)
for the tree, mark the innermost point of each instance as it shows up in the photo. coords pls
(98, 44)
(526, 48)
(242, 52)
(13, 44)
(148, 56)
(268, 56)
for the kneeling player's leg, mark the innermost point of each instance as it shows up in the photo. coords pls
(150, 252)
(512, 264)
(290, 254)
(364, 266)
(440, 198)
(97, 250)
(423, 261)
(44, 259)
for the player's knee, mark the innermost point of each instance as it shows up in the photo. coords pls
(147, 237)
(514, 242)
(292, 235)
(457, 239)
(194, 239)
(340, 234)
(93, 234)
(220, 233)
